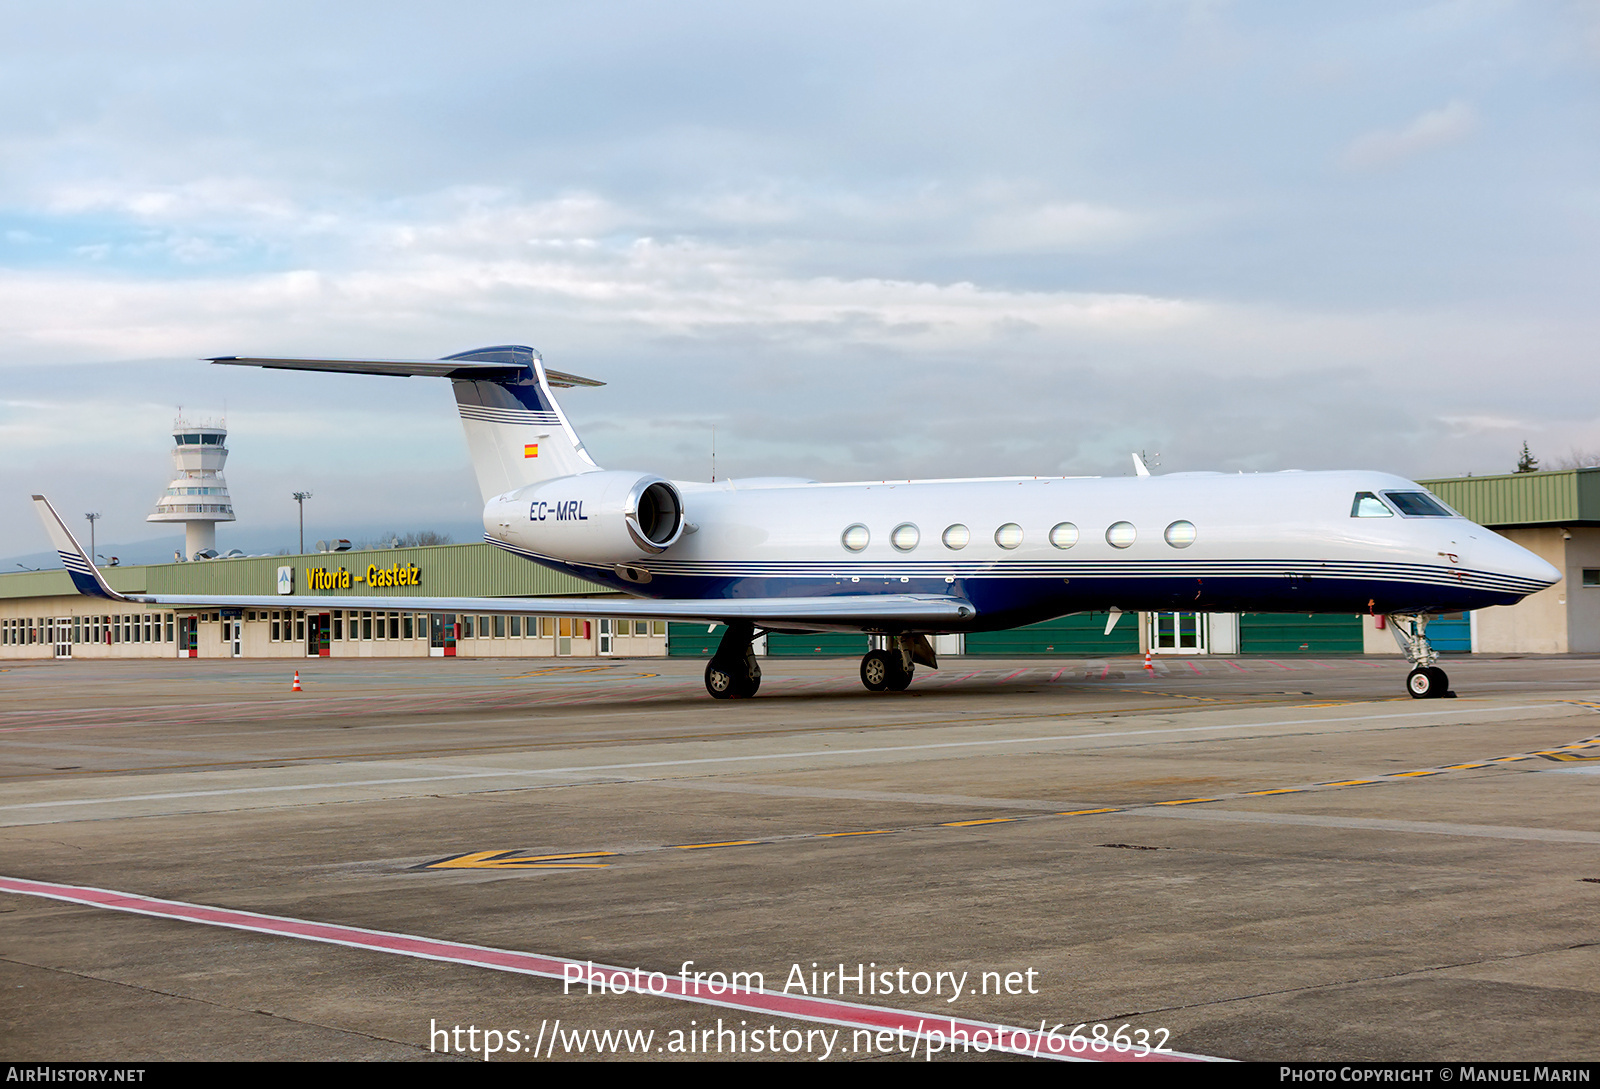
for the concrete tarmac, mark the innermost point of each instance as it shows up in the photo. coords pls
(1239, 858)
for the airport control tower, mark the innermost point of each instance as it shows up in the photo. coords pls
(198, 496)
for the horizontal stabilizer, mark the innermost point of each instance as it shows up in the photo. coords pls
(466, 369)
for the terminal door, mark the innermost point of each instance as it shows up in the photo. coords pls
(233, 636)
(1179, 633)
(319, 629)
(442, 635)
(188, 636)
(63, 636)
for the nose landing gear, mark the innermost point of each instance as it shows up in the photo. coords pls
(1426, 681)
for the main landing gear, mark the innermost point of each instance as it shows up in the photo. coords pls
(733, 672)
(889, 668)
(1426, 681)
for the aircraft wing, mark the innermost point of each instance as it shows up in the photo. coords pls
(851, 612)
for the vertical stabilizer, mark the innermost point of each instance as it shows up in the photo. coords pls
(516, 433)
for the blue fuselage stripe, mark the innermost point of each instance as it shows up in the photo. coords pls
(1005, 598)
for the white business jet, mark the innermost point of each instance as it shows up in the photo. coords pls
(905, 559)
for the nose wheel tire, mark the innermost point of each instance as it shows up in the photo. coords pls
(1427, 683)
(881, 672)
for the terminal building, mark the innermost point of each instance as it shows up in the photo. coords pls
(42, 616)
(1553, 514)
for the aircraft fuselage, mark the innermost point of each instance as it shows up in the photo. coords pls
(1035, 548)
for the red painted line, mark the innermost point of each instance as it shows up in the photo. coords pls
(1040, 1043)
(1237, 666)
(1010, 676)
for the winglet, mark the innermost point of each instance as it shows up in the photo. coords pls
(85, 576)
(1139, 466)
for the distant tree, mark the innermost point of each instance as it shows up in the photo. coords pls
(1579, 459)
(409, 540)
(1527, 463)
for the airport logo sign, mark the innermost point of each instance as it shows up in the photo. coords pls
(285, 580)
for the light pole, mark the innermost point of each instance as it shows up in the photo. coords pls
(301, 497)
(93, 518)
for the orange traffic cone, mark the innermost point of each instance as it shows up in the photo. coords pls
(1148, 664)
(297, 687)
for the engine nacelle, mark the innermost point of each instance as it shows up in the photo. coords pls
(611, 517)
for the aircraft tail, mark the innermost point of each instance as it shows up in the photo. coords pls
(516, 432)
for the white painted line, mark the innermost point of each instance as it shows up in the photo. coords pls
(1042, 1043)
(581, 769)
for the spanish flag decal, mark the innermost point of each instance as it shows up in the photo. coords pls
(531, 450)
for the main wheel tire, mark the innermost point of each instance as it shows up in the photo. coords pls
(900, 676)
(1424, 683)
(738, 683)
(876, 669)
(719, 682)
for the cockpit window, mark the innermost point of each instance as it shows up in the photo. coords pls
(1368, 505)
(1417, 504)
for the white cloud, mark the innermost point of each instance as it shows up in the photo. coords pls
(1058, 225)
(655, 288)
(1385, 147)
(199, 199)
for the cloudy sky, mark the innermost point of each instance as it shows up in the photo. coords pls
(858, 240)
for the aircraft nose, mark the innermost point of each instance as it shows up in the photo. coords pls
(1510, 559)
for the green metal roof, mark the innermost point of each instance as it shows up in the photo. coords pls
(1563, 497)
(463, 570)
